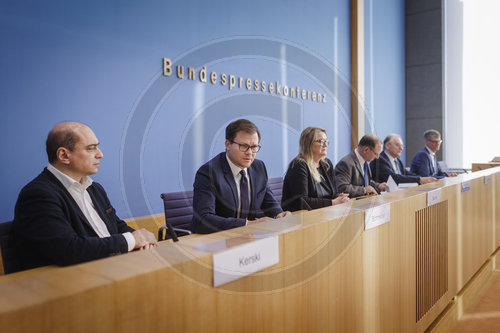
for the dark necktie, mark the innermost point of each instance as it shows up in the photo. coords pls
(398, 169)
(366, 174)
(244, 200)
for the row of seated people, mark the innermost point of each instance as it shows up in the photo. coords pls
(223, 198)
(62, 217)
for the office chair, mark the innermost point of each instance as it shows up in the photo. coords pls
(276, 185)
(7, 248)
(178, 208)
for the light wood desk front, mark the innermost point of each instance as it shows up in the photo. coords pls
(332, 276)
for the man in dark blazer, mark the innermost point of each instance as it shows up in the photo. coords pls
(389, 164)
(425, 163)
(62, 217)
(353, 174)
(231, 189)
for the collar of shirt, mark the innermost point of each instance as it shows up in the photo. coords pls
(360, 158)
(430, 152)
(67, 181)
(235, 170)
(393, 161)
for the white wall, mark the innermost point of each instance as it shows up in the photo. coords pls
(472, 73)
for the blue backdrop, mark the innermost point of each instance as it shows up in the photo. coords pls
(100, 62)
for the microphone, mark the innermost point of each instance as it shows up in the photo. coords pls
(171, 232)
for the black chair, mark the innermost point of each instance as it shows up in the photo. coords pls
(178, 208)
(276, 185)
(7, 247)
(444, 167)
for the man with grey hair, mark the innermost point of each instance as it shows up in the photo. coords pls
(389, 164)
(424, 163)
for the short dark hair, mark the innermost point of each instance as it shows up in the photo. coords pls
(66, 138)
(241, 125)
(370, 141)
(431, 132)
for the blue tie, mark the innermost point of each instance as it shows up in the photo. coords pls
(245, 202)
(366, 174)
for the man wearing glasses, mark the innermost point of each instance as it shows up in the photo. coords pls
(353, 174)
(425, 163)
(231, 189)
(389, 164)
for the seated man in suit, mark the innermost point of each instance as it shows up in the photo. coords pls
(231, 189)
(352, 173)
(63, 217)
(389, 164)
(425, 163)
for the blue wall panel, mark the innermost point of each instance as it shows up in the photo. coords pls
(99, 62)
(385, 68)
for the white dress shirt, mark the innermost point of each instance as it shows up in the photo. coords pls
(433, 159)
(361, 160)
(394, 164)
(79, 192)
(235, 170)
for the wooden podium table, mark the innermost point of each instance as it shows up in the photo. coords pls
(332, 275)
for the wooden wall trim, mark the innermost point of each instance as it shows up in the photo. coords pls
(357, 72)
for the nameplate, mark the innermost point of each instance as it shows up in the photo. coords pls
(433, 197)
(466, 186)
(487, 179)
(377, 215)
(245, 259)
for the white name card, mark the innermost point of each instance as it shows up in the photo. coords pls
(487, 179)
(466, 186)
(376, 216)
(433, 197)
(245, 259)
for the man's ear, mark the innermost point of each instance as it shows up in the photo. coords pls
(227, 143)
(63, 155)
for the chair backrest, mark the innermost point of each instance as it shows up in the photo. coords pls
(178, 208)
(276, 185)
(443, 166)
(7, 247)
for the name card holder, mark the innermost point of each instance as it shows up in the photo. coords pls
(376, 213)
(466, 186)
(433, 197)
(239, 261)
(377, 216)
(487, 179)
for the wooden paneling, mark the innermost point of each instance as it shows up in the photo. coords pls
(496, 207)
(483, 166)
(431, 229)
(150, 222)
(333, 276)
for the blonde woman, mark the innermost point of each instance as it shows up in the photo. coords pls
(310, 179)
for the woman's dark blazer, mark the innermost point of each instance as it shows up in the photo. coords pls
(299, 190)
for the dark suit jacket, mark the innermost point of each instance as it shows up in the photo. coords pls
(215, 197)
(299, 187)
(382, 168)
(422, 165)
(49, 227)
(349, 176)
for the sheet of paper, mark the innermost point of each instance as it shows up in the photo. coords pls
(392, 184)
(407, 185)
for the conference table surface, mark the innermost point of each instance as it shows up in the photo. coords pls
(332, 275)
